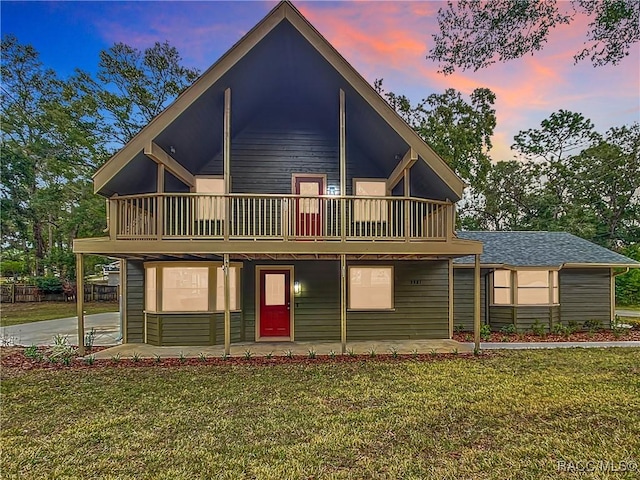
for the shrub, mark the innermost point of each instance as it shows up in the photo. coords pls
(592, 325)
(485, 332)
(559, 329)
(48, 284)
(538, 328)
(61, 351)
(33, 353)
(508, 329)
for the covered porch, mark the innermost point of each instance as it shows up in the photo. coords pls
(279, 349)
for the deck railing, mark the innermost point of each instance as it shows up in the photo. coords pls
(279, 217)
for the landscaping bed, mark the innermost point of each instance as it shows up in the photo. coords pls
(624, 335)
(15, 360)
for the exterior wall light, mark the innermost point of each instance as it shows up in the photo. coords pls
(297, 288)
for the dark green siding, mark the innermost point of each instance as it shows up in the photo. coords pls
(421, 302)
(463, 297)
(134, 302)
(190, 329)
(528, 316)
(153, 329)
(316, 308)
(500, 316)
(585, 294)
(421, 305)
(265, 157)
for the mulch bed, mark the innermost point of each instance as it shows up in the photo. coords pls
(13, 361)
(597, 336)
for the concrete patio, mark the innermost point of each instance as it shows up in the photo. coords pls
(281, 348)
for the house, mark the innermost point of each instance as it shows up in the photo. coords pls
(548, 278)
(280, 198)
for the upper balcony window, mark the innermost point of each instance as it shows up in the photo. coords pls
(210, 207)
(370, 210)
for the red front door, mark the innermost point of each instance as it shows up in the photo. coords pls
(308, 211)
(275, 297)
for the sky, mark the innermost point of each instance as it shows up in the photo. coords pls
(388, 40)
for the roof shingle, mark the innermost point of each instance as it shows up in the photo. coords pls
(543, 249)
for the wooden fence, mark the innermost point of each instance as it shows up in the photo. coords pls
(13, 293)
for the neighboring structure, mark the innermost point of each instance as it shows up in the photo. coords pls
(281, 198)
(547, 278)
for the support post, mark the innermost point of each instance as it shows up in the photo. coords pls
(476, 303)
(226, 154)
(80, 300)
(123, 301)
(343, 165)
(451, 298)
(343, 303)
(227, 313)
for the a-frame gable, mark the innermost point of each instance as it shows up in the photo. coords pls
(284, 10)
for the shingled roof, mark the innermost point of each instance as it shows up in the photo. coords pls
(541, 249)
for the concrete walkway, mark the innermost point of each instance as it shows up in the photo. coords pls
(538, 345)
(279, 349)
(106, 327)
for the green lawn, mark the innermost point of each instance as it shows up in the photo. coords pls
(510, 416)
(17, 313)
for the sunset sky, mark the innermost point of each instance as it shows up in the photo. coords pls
(380, 39)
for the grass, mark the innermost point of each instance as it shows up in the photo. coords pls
(17, 313)
(515, 415)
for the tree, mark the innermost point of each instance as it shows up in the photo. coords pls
(50, 146)
(458, 130)
(474, 34)
(607, 182)
(559, 138)
(133, 86)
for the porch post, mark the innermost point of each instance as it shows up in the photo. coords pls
(343, 302)
(407, 193)
(226, 154)
(476, 303)
(227, 313)
(343, 165)
(451, 299)
(80, 300)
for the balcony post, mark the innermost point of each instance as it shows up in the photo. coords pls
(450, 220)
(112, 218)
(407, 194)
(227, 159)
(343, 165)
(159, 203)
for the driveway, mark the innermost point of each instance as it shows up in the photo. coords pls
(106, 327)
(621, 312)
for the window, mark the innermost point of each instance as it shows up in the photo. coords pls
(534, 287)
(233, 284)
(502, 287)
(370, 210)
(370, 288)
(210, 207)
(151, 291)
(193, 287)
(185, 289)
